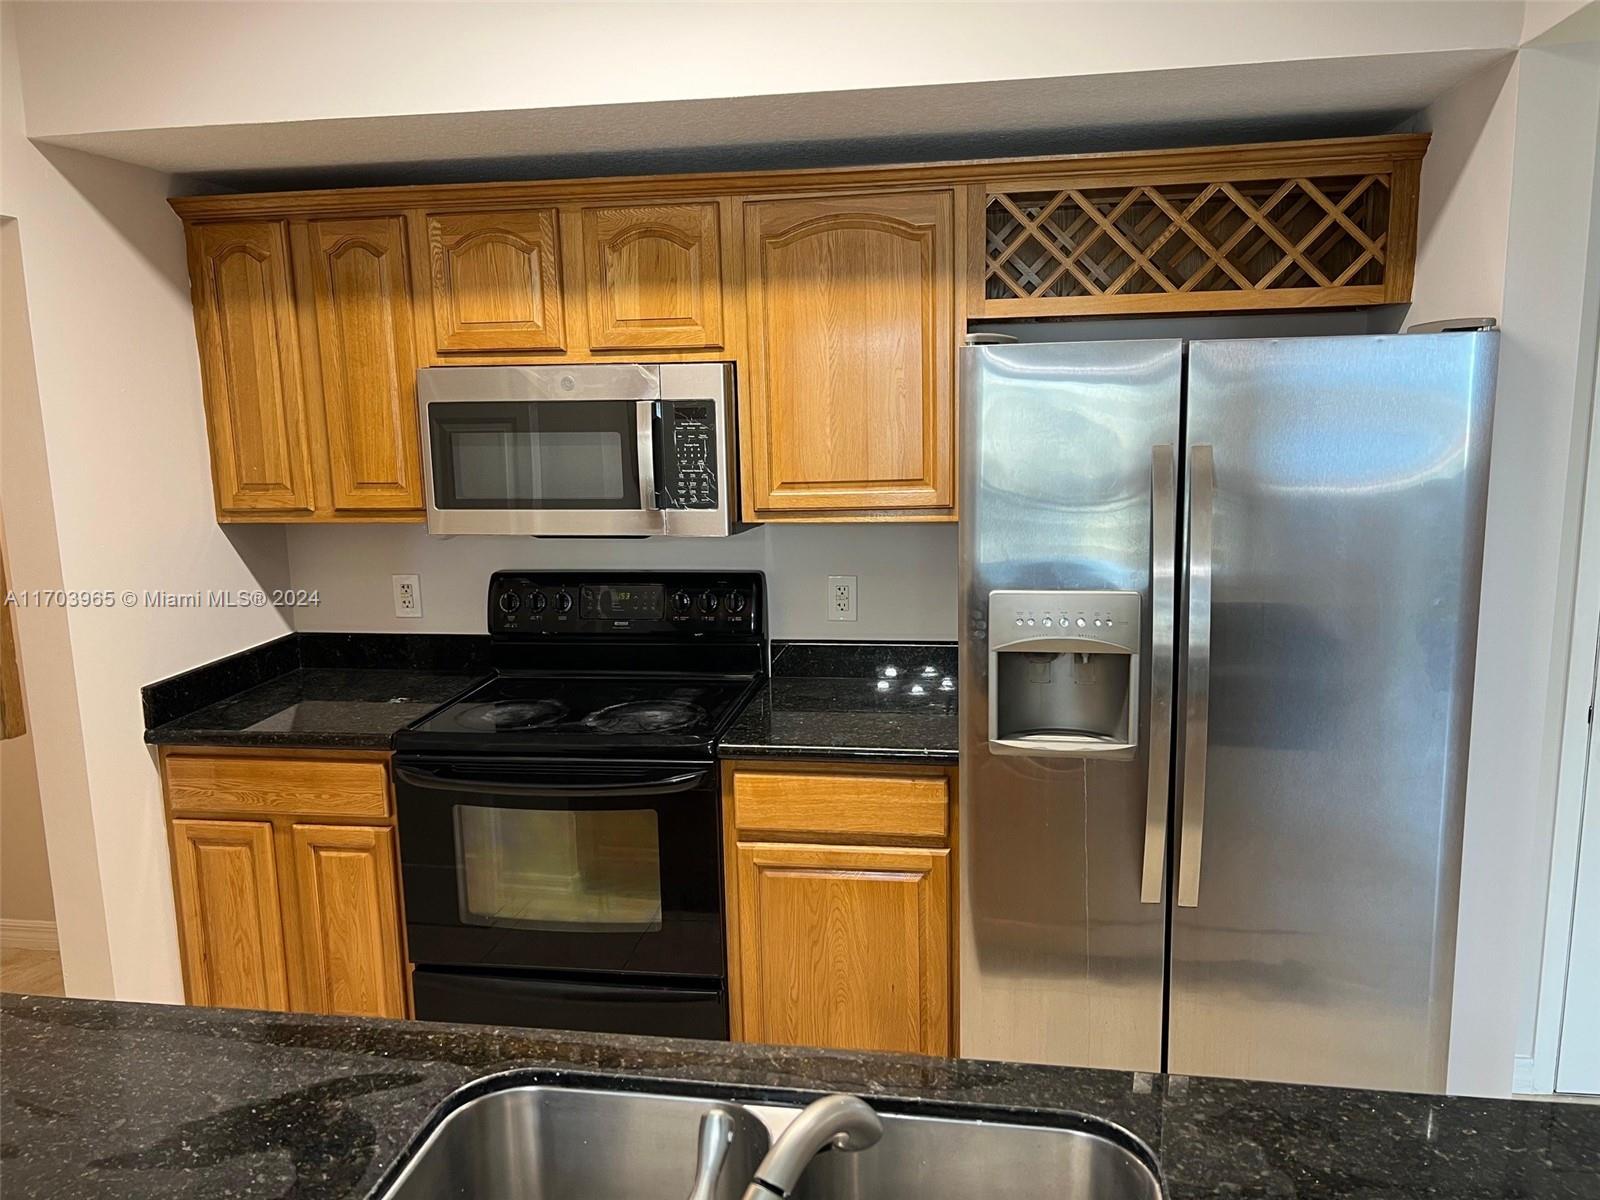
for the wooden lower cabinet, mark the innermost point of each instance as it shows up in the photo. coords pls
(840, 907)
(296, 908)
(845, 947)
(349, 924)
(228, 914)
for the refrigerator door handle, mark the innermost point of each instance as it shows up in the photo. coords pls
(1197, 667)
(1163, 622)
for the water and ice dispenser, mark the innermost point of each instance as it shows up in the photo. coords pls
(1064, 673)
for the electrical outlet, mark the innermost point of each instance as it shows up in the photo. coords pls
(841, 597)
(407, 595)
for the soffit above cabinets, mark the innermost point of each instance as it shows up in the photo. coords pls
(1127, 110)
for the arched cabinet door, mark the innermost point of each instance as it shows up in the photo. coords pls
(362, 298)
(653, 276)
(496, 281)
(250, 366)
(850, 394)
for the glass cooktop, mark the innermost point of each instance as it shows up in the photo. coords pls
(572, 713)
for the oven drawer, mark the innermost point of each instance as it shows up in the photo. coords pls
(790, 804)
(659, 1010)
(228, 785)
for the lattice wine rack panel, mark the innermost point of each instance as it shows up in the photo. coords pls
(1066, 249)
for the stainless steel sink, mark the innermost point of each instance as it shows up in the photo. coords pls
(551, 1143)
(558, 1143)
(929, 1158)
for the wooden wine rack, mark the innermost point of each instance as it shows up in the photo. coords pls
(1235, 237)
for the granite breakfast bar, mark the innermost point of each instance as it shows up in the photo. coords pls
(102, 1099)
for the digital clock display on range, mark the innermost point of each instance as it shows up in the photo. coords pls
(637, 602)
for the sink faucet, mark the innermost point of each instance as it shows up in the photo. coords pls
(716, 1136)
(843, 1122)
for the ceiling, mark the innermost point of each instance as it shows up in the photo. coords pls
(1130, 110)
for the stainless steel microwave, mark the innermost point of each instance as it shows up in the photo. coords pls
(593, 449)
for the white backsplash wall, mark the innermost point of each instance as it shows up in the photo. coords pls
(905, 589)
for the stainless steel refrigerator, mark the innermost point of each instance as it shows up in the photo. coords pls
(1219, 613)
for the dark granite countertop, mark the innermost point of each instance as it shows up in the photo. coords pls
(102, 1099)
(869, 701)
(314, 691)
(345, 707)
(883, 702)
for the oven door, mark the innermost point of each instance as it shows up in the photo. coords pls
(598, 867)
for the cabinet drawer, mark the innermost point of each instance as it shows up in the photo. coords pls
(834, 806)
(262, 786)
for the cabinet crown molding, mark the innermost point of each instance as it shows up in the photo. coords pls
(1350, 154)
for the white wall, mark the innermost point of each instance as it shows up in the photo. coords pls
(44, 638)
(1542, 414)
(1465, 206)
(222, 63)
(906, 574)
(126, 485)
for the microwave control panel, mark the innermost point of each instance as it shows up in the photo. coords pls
(686, 466)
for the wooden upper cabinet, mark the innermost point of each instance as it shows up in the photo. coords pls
(365, 334)
(850, 394)
(496, 281)
(842, 294)
(349, 923)
(228, 914)
(250, 367)
(653, 276)
(845, 947)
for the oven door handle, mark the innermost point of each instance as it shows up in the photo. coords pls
(655, 787)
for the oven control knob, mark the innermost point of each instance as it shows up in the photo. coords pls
(708, 602)
(509, 602)
(682, 602)
(736, 603)
(563, 601)
(539, 601)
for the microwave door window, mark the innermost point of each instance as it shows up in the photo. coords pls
(550, 454)
(583, 466)
(490, 463)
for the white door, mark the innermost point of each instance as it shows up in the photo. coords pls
(1578, 1063)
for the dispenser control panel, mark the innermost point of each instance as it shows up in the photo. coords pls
(1100, 616)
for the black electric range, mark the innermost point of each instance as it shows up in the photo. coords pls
(560, 823)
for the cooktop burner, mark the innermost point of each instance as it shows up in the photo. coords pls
(557, 712)
(511, 714)
(646, 716)
(640, 665)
